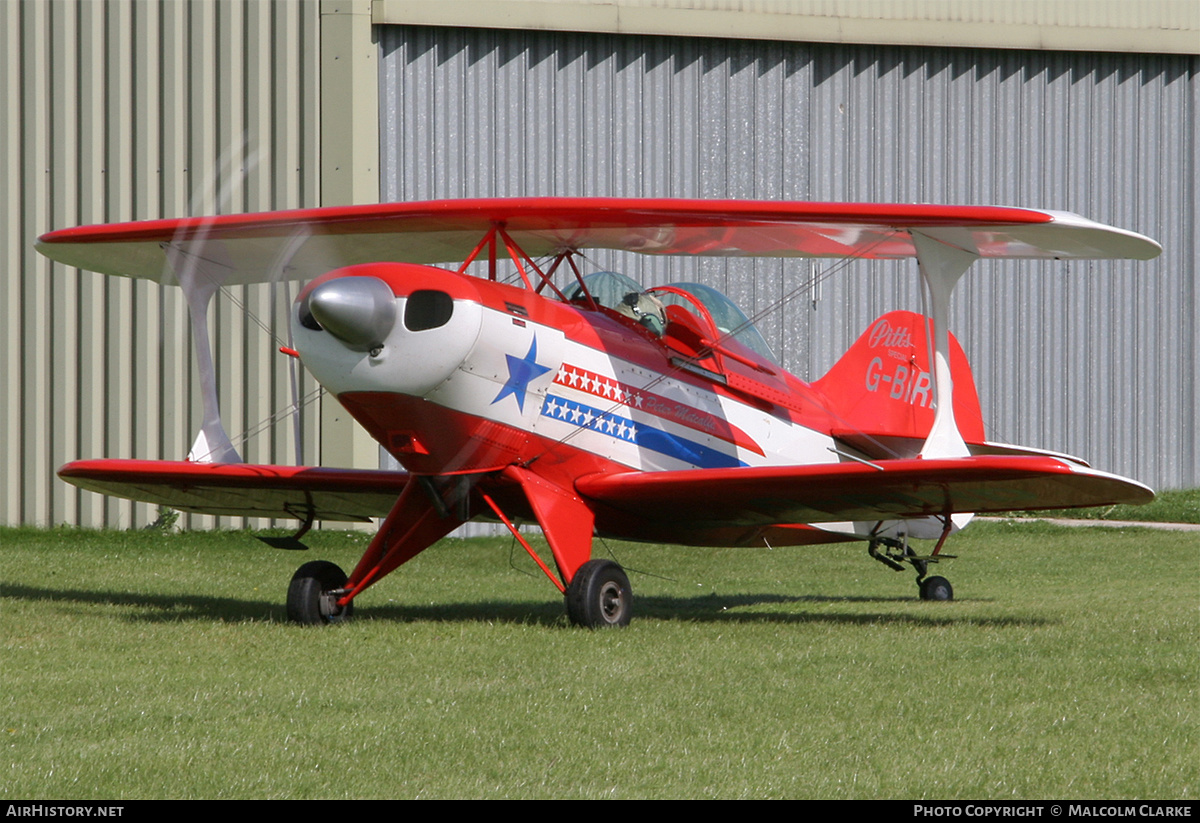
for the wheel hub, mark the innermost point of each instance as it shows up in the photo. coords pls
(611, 602)
(328, 603)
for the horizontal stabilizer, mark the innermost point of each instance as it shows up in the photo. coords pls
(990, 447)
(241, 490)
(885, 490)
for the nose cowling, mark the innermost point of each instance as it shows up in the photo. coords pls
(393, 328)
(359, 311)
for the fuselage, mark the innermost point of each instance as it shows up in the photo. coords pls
(472, 375)
(457, 375)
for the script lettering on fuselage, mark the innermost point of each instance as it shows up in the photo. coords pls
(905, 382)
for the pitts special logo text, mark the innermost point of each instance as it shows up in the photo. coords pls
(906, 382)
(882, 334)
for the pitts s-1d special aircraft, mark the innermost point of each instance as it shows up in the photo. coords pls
(597, 407)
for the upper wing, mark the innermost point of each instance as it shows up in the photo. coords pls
(243, 490)
(302, 244)
(886, 490)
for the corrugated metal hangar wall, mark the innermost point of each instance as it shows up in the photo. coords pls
(122, 110)
(119, 111)
(1095, 359)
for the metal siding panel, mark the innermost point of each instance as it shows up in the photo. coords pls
(118, 205)
(63, 170)
(34, 292)
(1182, 218)
(1088, 25)
(92, 375)
(11, 190)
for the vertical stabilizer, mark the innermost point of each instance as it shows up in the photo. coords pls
(882, 392)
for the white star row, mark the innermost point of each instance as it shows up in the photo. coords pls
(558, 408)
(576, 378)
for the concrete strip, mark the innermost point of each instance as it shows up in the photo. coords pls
(1112, 524)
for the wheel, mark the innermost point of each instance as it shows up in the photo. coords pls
(936, 588)
(309, 598)
(600, 596)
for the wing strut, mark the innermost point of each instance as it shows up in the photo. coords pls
(199, 284)
(517, 254)
(200, 278)
(941, 267)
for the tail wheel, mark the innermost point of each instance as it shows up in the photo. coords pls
(936, 588)
(600, 596)
(313, 594)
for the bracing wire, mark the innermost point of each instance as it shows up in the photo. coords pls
(272, 419)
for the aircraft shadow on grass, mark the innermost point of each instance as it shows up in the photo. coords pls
(708, 608)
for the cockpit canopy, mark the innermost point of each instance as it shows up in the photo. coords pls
(625, 295)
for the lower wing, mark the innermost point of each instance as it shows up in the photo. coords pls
(825, 493)
(883, 490)
(242, 490)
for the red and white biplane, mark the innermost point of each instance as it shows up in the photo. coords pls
(594, 406)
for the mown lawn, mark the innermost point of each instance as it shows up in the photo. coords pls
(150, 665)
(1171, 506)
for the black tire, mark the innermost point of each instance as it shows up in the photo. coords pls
(600, 596)
(309, 601)
(936, 588)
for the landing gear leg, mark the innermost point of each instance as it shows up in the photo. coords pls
(895, 553)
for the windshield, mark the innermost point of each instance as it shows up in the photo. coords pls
(728, 318)
(608, 287)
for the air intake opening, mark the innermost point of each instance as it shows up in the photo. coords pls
(427, 309)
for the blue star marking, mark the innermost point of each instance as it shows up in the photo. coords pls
(521, 370)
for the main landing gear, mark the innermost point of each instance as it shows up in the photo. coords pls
(313, 594)
(896, 553)
(599, 596)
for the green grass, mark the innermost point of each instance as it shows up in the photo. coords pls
(144, 665)
(1179, 506)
